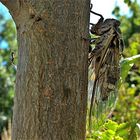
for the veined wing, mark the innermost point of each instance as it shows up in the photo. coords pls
(104, 64)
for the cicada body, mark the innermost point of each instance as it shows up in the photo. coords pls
(104, 66)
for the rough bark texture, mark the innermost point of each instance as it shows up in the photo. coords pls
(51, 83)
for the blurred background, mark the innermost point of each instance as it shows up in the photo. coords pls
(8, 44)
(126, 115)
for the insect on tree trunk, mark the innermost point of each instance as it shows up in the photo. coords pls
(51, 81)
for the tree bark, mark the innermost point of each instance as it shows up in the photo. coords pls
(51, 81)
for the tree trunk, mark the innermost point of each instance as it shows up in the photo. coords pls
(51, 81)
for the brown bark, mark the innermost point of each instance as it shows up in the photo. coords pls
(51, 81)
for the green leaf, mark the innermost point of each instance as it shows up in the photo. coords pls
(108, 135)
(123, 130)
(126, 65)
(118, 138)
(111, 125)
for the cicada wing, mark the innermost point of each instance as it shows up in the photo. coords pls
(104, 75)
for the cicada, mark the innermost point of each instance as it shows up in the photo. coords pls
(104, 64)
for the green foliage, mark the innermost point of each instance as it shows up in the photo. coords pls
(114, 131)
(128, 109)
(7, 73)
